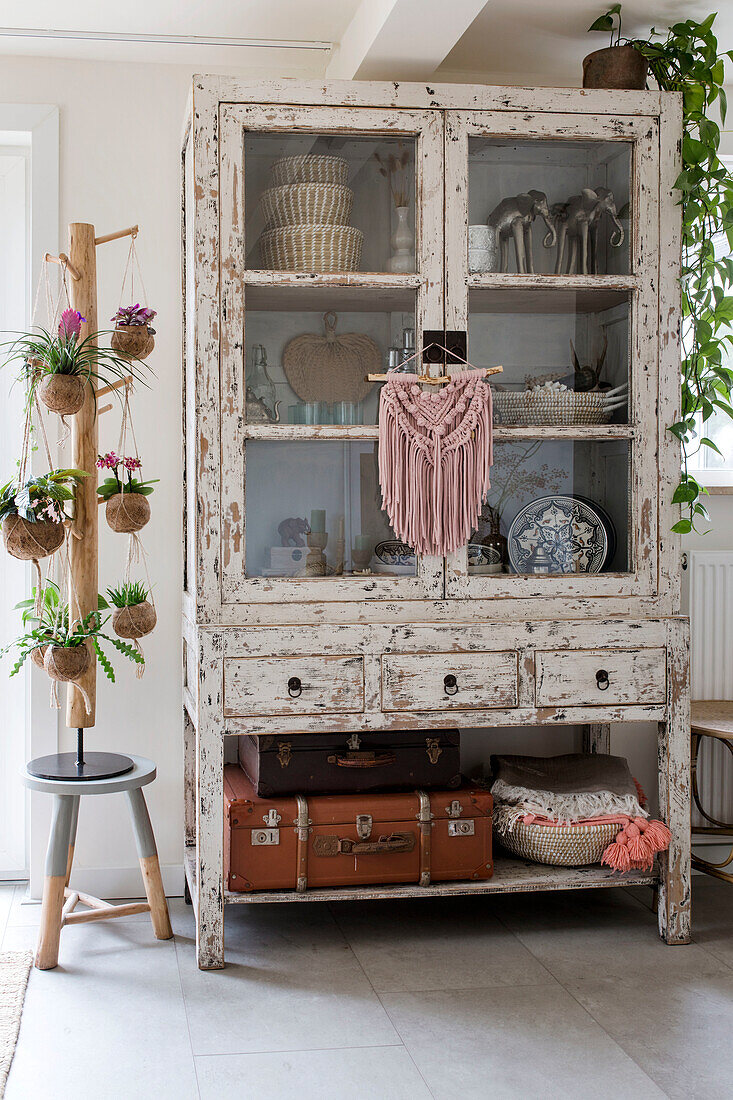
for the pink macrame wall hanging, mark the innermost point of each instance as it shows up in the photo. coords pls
(435, 453)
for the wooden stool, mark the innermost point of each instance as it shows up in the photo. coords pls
(711, 718)
(55, 911)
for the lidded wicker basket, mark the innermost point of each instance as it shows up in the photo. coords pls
(307, 204)
(310, 168)
(321, 248)
(559, 845)
(329, 367)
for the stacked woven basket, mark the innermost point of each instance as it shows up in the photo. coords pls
(307, 213)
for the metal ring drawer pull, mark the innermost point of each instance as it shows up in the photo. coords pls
(294, 687)
(450, 684)
(602, 680)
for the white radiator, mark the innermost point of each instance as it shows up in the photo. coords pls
(711, 619)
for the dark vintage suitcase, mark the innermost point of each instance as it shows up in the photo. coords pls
(341, 763)
(302, 843)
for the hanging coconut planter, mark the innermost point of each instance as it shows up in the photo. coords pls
(66, 663)
(133, 335)
(62, 393)
(127, 512)
(31, 541)
(38, 656)
(134, 621)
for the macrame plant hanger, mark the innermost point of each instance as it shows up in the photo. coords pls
(135, 549)
(132, 263)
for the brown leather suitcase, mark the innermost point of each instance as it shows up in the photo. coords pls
(302, 843)
(341, 763)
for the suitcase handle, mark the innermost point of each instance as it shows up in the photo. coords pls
(337, 846)
(363, 759)
(396, 842)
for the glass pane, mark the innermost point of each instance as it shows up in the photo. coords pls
(565, 203)
(309, 350)
(565, 354)
(555, 507)
(314, 509)
(328, 202)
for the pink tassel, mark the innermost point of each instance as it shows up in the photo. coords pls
(616, 855)
(658, 835)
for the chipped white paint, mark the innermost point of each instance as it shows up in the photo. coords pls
(370, 651)
(599, 677)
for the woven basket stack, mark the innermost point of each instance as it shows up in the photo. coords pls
(307, 212)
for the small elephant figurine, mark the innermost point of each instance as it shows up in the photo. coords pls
(291, 531)
(578, 222)
(514, 217)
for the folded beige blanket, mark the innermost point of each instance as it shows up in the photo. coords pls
(565, 788)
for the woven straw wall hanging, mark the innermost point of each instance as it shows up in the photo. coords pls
(330, 367)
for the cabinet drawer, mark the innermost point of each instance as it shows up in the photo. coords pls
(599, 677)
(293, 685)
(449, 681)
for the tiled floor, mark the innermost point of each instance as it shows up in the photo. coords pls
(564, 995)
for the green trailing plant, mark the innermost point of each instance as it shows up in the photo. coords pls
(128, 594)
(40, 498)
(51, 626)
(687, 60)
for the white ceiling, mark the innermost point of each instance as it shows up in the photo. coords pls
(510, 41)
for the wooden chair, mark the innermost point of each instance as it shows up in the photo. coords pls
(711, 718)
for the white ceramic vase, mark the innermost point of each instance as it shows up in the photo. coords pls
(403, 243)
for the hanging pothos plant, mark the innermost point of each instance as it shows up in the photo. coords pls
(687, 60)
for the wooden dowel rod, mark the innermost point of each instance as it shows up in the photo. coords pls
(131, 232)
(87, 899)
(63, 260)
(426, 379)
(68, 908)
(114, 385)
(108, 913)
(104, 409)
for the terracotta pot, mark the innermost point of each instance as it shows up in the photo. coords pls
(135, 621)
(127, 512)
(62, 663)
(615, 67)
(134, 341)
(38, 655)
(31, 541)
(62, 393)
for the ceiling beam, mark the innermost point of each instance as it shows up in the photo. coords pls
(401, 39)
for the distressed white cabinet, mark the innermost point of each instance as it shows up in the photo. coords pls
(369, 632)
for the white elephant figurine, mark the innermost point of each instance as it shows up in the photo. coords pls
(578, 222)
(514, 217)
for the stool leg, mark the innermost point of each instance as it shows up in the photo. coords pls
(72, 837)
(65, 807)
(148, 855)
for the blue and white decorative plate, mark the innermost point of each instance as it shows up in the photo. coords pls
(395, 552)
(572, 535)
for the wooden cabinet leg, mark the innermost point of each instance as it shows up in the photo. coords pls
(149, 865)
(674, 790)
(64, 810)
(597, 737)
(209, 842)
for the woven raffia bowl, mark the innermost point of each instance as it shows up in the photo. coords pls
(307, 204)
(540, 406)
(560, 845)
(310, 168)
(322, 248)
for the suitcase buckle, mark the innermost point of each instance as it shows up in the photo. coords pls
(284, 753)
(272, 818)
(363, 826)
(455, 809)
(354, 742)
(433, 749)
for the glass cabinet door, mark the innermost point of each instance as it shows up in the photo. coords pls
(551, 243)
(331, 267)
